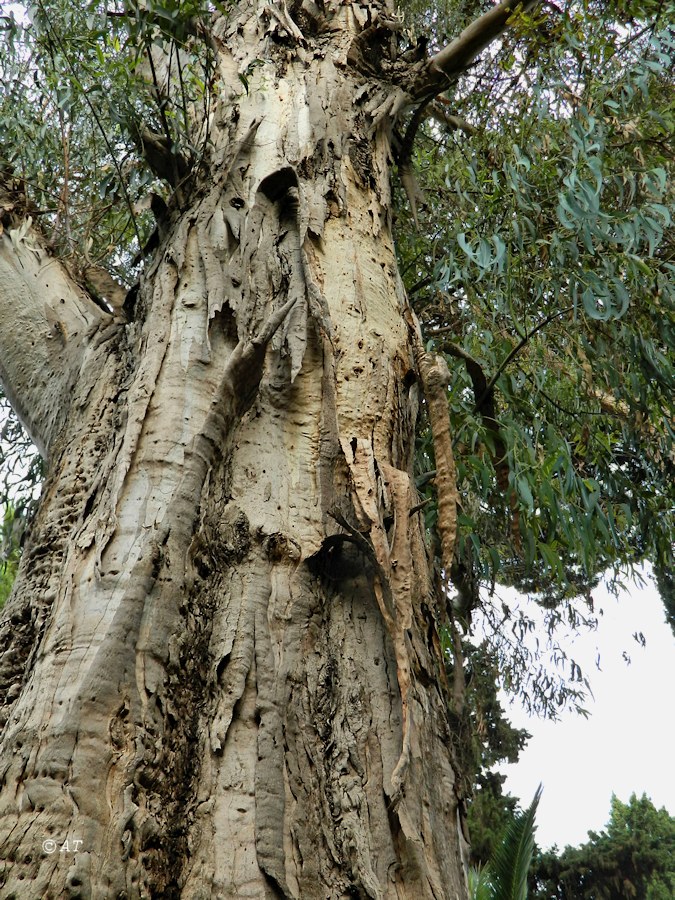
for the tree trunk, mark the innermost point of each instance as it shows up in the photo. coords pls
(219, 669)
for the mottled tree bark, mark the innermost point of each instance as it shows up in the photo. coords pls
(219, 669)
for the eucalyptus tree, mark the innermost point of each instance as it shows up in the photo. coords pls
(223, 663)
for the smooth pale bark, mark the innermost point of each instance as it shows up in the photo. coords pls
(219, 668)
(452, 60)
(47, 326)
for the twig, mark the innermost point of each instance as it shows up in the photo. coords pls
(516, 350)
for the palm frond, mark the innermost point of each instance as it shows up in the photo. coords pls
(511, 859)
(480, 885)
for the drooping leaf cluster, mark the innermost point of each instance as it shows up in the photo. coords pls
(633, 858)
(81, 89)
(543, 269)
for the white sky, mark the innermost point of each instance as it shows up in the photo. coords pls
(625, 746)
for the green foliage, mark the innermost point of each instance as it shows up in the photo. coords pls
(505, 875)
(78, 82)
(479, 884)
(10, 535)
(490, 812)
(634, 858)
(20, 479)
(483, 738)
(511, 861)
(20, 466)
(543, 271)
(665, 581)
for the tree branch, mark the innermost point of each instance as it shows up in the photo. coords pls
(46, 324)
(450, 121)
(516, 350)
(449, 63)
(440, 71)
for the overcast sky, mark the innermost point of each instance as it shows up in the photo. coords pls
(625, 746)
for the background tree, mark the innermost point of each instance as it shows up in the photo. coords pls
(483, 739)
(632, 858)
(222, 666)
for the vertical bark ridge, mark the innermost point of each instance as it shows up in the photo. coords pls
(233, 703)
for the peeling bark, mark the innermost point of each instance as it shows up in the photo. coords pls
(205, 678)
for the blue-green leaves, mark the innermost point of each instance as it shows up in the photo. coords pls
(488, 255)
(558, 207)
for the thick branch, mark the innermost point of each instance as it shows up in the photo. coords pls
(446, 65)
(46, 323)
